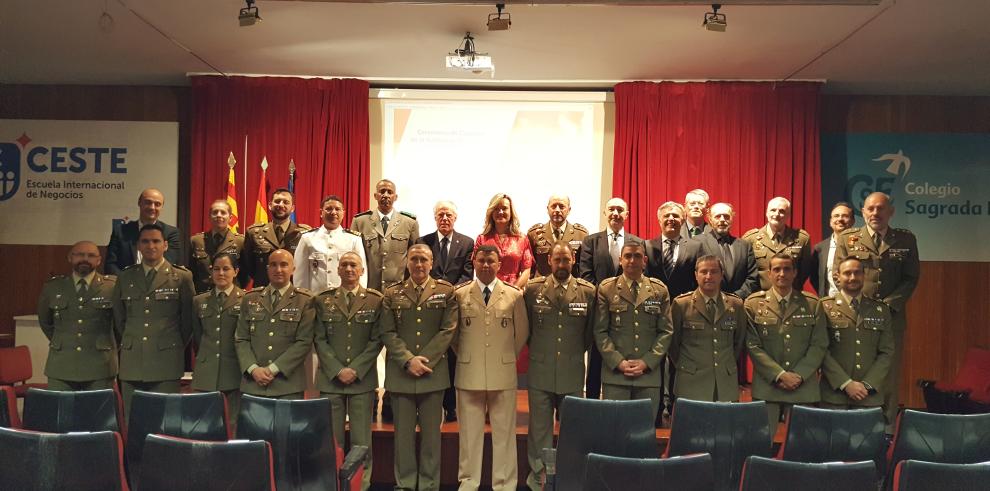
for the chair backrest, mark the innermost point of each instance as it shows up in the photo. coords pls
(616, 428)
(199, 416)
(15, 365)
(763, 474)
(31, 460)
(729, 431)
(687, 473)
(242, 465)
(63, 412)
(301, 437)
(944, 438)
(915, 475)
(974, 374)
(8, 408)
(825, 435)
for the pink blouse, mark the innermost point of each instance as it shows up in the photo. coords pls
(515, 251)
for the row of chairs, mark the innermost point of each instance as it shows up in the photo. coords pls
(731, 433)
(74, 437)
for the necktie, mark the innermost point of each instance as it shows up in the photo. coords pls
(726, 254)
(222, 296)
(613, 250)
(879, 240)
(443, 251)
(276, 296)
(149, 278)
(488, 294)
(82, 289)
(696, 231)
(635, 289)
(855, 306)
(279, 234)
(711, 308)
(556, 234)
(384, 224)
(419, 292)
(783, 305)
(349, 299)
(668, 258)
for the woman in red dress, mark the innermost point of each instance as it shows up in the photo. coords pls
(502, 231)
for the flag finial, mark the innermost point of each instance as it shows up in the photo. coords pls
(231, 161)
(264, 163)
(292, 167)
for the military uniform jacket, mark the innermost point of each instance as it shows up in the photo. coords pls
(489, 337)
(259, 242)
(318, 256)
(560, 324)
(202, 248)
(705, 349)
(422, 325)
(386, 251)
(541, 241)
(154, 322)
(281, 334)
(348, 338)
(213, 336)
(628, 328)
(861, 348)
(79, 328)
(892, 270)
(793, 341)
(795, 242)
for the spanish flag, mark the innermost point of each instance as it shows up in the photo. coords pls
(261, 205)
(232, 196)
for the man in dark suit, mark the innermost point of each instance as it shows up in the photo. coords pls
(695, 207)
(122, 249)
(823, 255)
(600, 254)
(741, 277)
(670, 259)
(452, 262)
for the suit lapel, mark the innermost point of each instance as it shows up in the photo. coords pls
(269, 233)
(843, 307)
(605, 254)
(132, 232)
(891, 238)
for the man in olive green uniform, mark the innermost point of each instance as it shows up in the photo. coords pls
(777, 237)
(632, 329)
(892, 268)
(205, 245)
(861, 343)
(787, 341)
(560, 319)
(543, 236)
(76, 314)
(261, 239)
(709, 330)
(213, 329)
(418, 323)
(348, 340)
(275, 333)
(152, 308)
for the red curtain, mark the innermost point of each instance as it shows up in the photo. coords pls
(743, 142)
(320, 124)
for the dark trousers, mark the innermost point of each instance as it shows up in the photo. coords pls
(450, 394)
(593, 383)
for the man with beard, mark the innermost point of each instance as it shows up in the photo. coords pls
(320, 250)
(739, 266)
(205, 245)
(778, 237)
(542, 236)
(262, 239)
(122, 251)
(823, 255)
(76, 315)
(696, 205)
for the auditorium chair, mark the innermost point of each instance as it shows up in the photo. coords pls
(15, 369)
(306, 456)
(968, 392)
(824, 435)
(237, 465)
(687, 473)
(8, 408)
(763, 474)
(199, 416)
(614, 428)
(36, 461)
(940, 438)
(915, 475)
(63, 412)
(729, 431)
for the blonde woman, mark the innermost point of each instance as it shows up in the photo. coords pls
(502, 231)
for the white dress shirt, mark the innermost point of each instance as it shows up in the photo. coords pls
(318, 255)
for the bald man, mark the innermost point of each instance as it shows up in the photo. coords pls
(76, 314)
(122, 250)
(777, 237)
(543, 236)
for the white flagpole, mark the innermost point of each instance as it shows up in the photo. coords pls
(246, 197)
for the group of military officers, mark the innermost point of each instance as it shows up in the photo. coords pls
(685, 303)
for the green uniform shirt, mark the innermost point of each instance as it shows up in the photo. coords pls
(795, 242)
(279, 334)
(560, 322)
(385, 250)
(203, 246)
(214, 324)
(347, 337)
(861, 348)
(705, 347)
(79, 327)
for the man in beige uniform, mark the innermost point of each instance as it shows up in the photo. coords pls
(709, 330)
(491, 331)
(632, 329)
(275, 333)
(76, 315)
(419, 318)
(542, 236)
(204, 245)
(861, 343)
(152, 307)
(777, 237)
(560, 318)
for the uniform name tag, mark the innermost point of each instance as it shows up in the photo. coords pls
(729, 322)
(435, 304)
(898, 253)
(653, 307)
(401, 302)
(577, 308)
(167, 294)
(289, 315)
(364, 316)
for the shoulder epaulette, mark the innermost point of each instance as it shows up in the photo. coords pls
(761, 293)
(132, 266)
(804, 232)
(608, 281)
(108, 277)
(463, 284)
(536, 227)
(363, 213)
(829, 298)
(510, 285)
(851, 230)
(304, 291)
(257, 225)
(540, 280)
(809, 295)
(256, 289)
(732, 295)
(584, 282)
(395, 283)
(326, 291)
(904, 231)
(310, 230)
(180, 267)
(750, 232)
(56, 277)
(305, 227)
(688, 294)
(410, 215)
(444, 282)
(655, 281)
(353, 232)
(238, 234)
(580, 227)
(200, 234)
(373, 292)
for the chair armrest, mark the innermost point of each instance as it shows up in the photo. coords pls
(549, 458)
(353, 462)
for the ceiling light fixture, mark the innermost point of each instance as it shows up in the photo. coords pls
(715, 21)
(466, 57)
(249, 15)
(498, 23)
